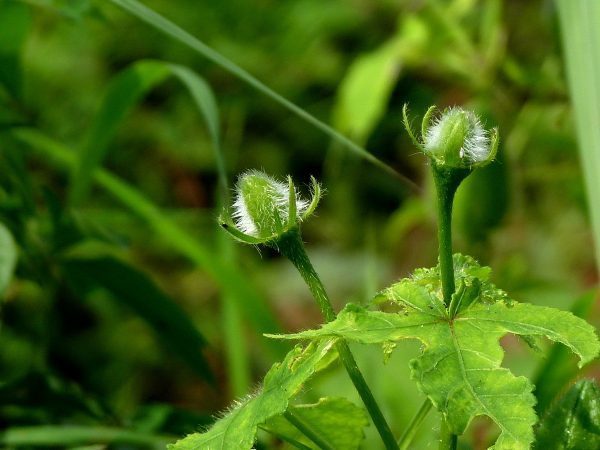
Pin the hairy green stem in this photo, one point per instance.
(414, 424)
(446, 181)
(307, 430)
(290, 245)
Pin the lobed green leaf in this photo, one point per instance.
(558, 368)
(460, 367)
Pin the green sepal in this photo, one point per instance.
(229, 227)
(316, 195)
(426, 122)
(409, 130)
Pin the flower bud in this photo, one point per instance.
(457, 139)
(264, 208)
(261, 207)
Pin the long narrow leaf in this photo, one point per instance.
(124, 92)
(581, 47)
(8, 257)
(159, 22)
(170, 323)
(66, 436)
(14, 25)
(230, 279)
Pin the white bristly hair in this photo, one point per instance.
(279, 192)
(476, 147)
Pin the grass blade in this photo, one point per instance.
(14, 27)
(159, 22)
(129, 286)
(231, 281)
(8, 257)
(66, 436)
(581, 47)
(126, 89)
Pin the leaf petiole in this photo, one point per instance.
(414, 424)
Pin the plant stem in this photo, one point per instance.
(290, 245)
(414, 424)
(307, 430)
(448, 440)
(446, 181)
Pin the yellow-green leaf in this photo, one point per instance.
(237, 429)
(460, 367)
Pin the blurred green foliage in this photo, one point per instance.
(90, 355)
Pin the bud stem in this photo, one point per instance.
(291, 246)
(448, 440)
(446, 182)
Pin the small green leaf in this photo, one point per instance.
(338, 422)
(459, 368)
(574, 422)
(237, 429)
(8, 257)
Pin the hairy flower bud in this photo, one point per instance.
(262, 205)
(264, 208)
(455, 139)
